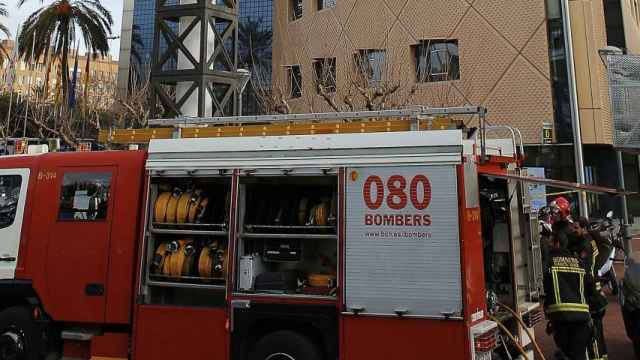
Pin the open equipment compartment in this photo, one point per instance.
(187, 240)
(287, 234)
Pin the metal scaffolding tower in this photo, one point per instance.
(194, 68)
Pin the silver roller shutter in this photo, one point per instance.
(395, 260)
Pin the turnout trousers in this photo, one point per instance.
(598, 348)
(573, 338)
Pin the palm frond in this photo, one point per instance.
(3, 13)
(22, 2)
(5, 30)
(58, 28)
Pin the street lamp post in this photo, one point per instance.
(575, 112)
(245, 76)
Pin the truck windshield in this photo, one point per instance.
(9, 194)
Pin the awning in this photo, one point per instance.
(557, 183)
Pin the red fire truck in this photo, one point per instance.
(374, 235)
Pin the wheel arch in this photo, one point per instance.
(18, 293)
(21, 293)
(304, 327)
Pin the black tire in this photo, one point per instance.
(285, 345)
(19, 337)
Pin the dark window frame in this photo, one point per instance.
(326, 4)
(97, 185)
(437, 60)
(6, 202)
(367, 67)
(325, 71)
(294, 81)
(296, 9)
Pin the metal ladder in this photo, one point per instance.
(535, 248)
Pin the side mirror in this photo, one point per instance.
(610, 215)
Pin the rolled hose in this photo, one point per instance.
(524, 326)
(510, 335)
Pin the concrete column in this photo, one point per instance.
(193, 43)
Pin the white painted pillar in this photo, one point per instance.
(192, 43)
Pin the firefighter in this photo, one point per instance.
(563, 230)
(567, 284)
(588, 251)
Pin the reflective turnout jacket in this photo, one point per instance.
(597, 301)
(568, 286)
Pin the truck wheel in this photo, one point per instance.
(18, 335)
(285, 345)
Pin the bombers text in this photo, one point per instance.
(397, 220)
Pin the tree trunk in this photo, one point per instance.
(65, 67)
(48, 62)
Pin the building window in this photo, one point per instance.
(325, 73)
(85, 196)
(437, 60)
(294, 76)
(325, 4)
(9, 196)
(295, 8)
(370, 64)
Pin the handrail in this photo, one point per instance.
(421, 111)
(516, 135)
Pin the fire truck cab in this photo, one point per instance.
(375, 245)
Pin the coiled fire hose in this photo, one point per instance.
(526, 329)
(510, 335)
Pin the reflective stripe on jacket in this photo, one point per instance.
(567, 286)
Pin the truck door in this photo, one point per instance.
(13, 193)
(78, 248)
(402, 276)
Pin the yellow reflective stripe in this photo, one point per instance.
(582, 289)
(556, 288)
(567, 307)
(568, 269)
(596, 350)
(594, 256)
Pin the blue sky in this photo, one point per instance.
(18, 15)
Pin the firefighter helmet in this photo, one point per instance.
(561, 207)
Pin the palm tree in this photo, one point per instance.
(137, 44)
(138, 64)
(4, 29)
(254, 52)
(254, 44)
(60, 25)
